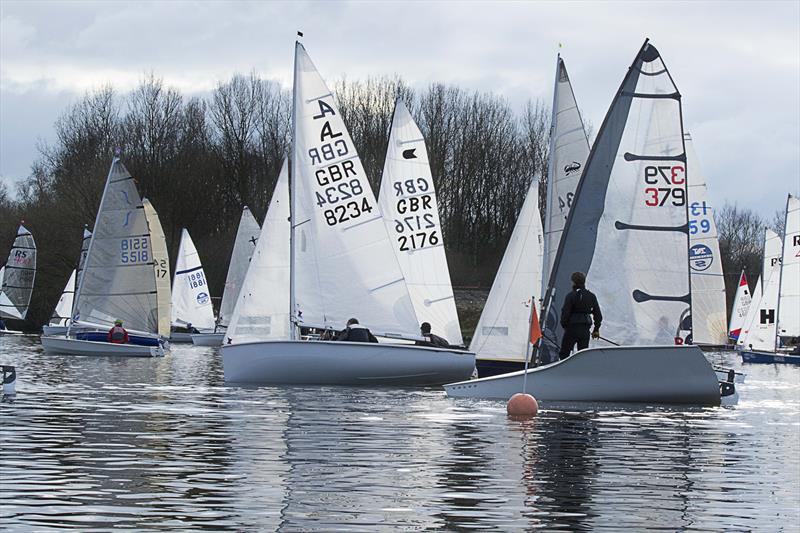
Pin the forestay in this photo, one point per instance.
(741, 307)
(343, 261)
(191, 302)
(161, 267)
(628, 226)
(407, 199)
(262, 309)
(118, 280)
(569, 148)
(503, 329)
(789, 303)
(243, 247)
(18, 276)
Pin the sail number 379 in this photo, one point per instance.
(671, 181)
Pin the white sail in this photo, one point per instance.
(343, 263)
(63, 311)
(191, 300)
(741, 307)
(243, 247)
(262, 310)
(407, 199)
(161, 267)
(709, 313)
(503, 329)
(761, 333)
(773, 245)
(569, 148)
(789, 299)
(19, 274)
(628, 227)
(118, 281)
(752, 312)
(87, 239)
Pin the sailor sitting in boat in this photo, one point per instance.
(580, 307)
(117, 334)
(355, 332)
(430, 338)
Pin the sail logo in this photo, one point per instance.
(571, 168)
(700, 257)
(767, 316)
(202, 298)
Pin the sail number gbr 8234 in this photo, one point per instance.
(667, 184)
(339, 191)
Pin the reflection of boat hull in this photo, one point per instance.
(641, 374)
(69, 346)
(751, 356)
(10, 332)
(343, 363)
(208, 339)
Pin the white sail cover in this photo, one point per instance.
(18, 276)
(63, 311)
(407, 199)
(503, 329)
(741, 307)
(161, 265)
(709, 313)
(118, 281)
(789, 302)
(262, 310)
(344, 265)
(243, 247)
(191, 300)
(628, 227)
(752, 312)
(569, 148)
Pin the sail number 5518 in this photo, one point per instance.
(672, 180)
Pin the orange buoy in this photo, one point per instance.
(522, 405)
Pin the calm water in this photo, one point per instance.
(161, 444)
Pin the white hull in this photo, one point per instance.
(640, 374)
(178, 337)
(343, 363)
(208, 339)
(54, 330)
(64, 345)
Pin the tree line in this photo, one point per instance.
(201, 160)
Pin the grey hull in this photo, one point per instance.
(638, 374)
(343, 363)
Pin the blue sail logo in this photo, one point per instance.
(700, 257)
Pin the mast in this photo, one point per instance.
(293, 198)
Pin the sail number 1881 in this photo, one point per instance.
(671, 181)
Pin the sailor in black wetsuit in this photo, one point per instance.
(580, 307)
(355, 332)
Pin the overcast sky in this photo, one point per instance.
(737, 64)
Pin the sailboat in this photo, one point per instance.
(243, 247)
(628, 231)
(62, 315)
(191, 301)
(407, 200)
(779, 311)
(341, 265)
(770, 266)
(118, 281)
(16, 279)
(705, 261)
(741, 307)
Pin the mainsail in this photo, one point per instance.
(503, 329)
(191, 301)
(118, 280)
(789, 298)
(708, 282)
(752, 311)
(569, 148)
(773, 247)
(628, 226)
(761, 334)
(262, 310)
(63, 312)
(18, 276)
(161, 266)
(243, 247)
(407, 199)
(342, 260)
(741, 307)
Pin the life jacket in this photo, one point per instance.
(118, 335)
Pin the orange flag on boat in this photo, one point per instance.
(536, 330)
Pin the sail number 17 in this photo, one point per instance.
(671, 181)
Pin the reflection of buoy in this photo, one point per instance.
(9, 380)
(522, 405)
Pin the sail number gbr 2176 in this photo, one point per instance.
(339, 190)
(667, 184)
